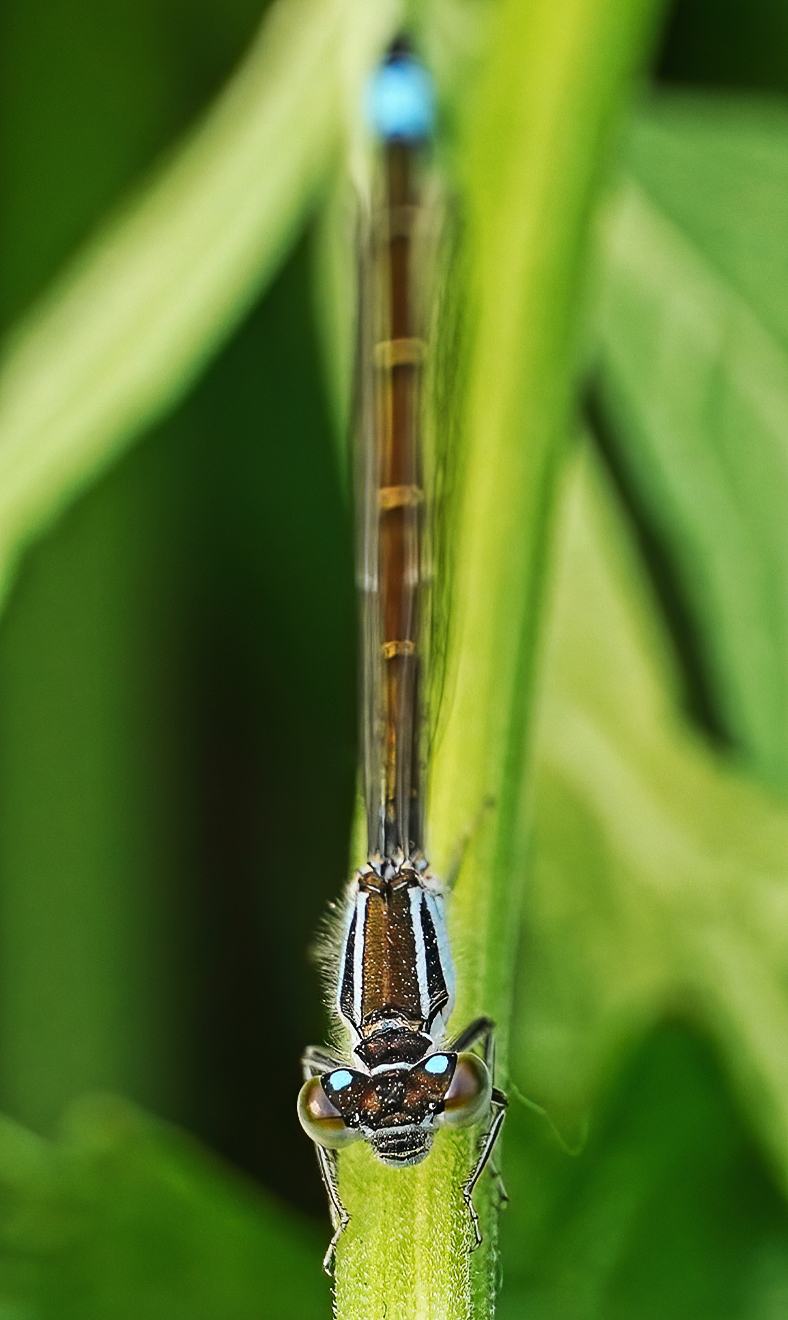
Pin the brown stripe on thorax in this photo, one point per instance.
(389, 966)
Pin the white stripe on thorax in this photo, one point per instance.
(348, 921)
(436, 908)
(358, 954)
(416, 895)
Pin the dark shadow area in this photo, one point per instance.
(660, 570)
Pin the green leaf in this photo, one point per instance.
(131, 323)
(537, 135)
(126, 1218)
(669, 1210)
(660, 875)
(694, 389)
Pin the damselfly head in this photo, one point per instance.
(396, 1109)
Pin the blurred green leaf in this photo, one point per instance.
(694, 390)
(661, 877)
(159, 739)
(125, 1218)
(88, 811)
(129, 326)
(668, 1211)
(88, 101)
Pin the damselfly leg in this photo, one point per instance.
(315, 1062)
(482, 1031)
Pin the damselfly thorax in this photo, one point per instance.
(403, 1076)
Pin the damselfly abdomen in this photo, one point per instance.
(404, 1076)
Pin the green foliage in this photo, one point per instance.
(123, 1218)
(175, 695)
(694, 351)
(126, 329)
(626, 1229)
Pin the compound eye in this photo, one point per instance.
(318, 1116)
(468, 1097)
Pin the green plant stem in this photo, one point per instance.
(538, 134)
(129, 326)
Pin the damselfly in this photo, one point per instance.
(404, 1076)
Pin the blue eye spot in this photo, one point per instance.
(339, 1079)
(437, 1064)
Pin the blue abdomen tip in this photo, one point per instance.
(400, 100)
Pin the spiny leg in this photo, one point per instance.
(315, 1061)
(482, 1031)
(327, 1163)
(498, 1104)
(485, 1032)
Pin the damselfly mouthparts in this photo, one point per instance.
(404, 1077)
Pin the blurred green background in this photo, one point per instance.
(177, 738)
